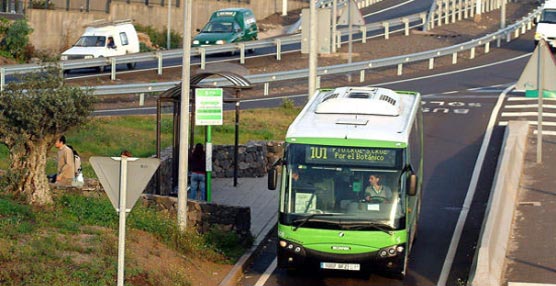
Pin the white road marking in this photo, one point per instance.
(528, 284)
(530, 106)
(389, 8)
(519, 114)
(456, 71)
(267, 273)
(529, 99)
(470, 191)
(544, 132)
(505, 123)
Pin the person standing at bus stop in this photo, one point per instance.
(197, 164)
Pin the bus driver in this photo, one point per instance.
(377, 191)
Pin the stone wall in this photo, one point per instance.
(65, 27)
(204, 216)
(254, 160)
(201, 216)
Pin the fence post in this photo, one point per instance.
(386, 29)
(447, 10)
(406, 26)
(400, 68)
(487, 47)
(203, 56)
(241, 53)
(159, 58)
(113, 69)
(265, 92)
(2, 78)
(362, 76)
(67, 5)
(472, 54)
(455, 58)
(278, 49)
(88, 3)
(431, 63)
(363, 34)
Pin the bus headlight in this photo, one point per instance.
(195, 42)
(220, 42)
(538, 36)
(390, 251)
(64, 58)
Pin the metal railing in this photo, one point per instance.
(506, 34)
(387, 28)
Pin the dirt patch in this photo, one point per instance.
(167, 266)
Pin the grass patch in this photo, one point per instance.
(108, 136)
(74, 242)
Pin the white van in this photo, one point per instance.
(105, 39)
(546, 27)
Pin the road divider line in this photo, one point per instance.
(267, 273)
(447, 266)
(389, 8)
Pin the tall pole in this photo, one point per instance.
(312, 48)
(540, 74)
(184, 118)
(334, 22)
(122, 213)
(169, 25)
(503, 14)
(350, 36)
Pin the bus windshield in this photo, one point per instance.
(343, 188)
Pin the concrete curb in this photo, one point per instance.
(497, 225)
(237, 271)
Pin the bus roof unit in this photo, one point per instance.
(343, 112)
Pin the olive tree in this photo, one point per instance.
(34, 111)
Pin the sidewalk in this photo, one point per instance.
(253, 193)
(530, 257)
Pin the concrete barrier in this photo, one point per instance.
(487, 271)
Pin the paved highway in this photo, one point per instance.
(458, 105)
(381, 11)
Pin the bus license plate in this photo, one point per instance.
(340, 266)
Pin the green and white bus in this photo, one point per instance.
(332, 215)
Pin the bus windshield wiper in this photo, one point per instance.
(362, 225)
(302, 221)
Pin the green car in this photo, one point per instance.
(228, 26)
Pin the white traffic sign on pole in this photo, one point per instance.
(108, 172)
(113, 175)
(209, 106)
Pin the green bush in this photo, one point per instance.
(159, 39)
(42, 4)
(17, 38)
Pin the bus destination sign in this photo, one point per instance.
(331, 155)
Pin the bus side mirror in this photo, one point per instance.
(272, 178)
(535, 22)
(412, 185)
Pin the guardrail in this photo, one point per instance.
(506, 34)
(388, 27)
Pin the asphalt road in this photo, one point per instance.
(458, 102)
